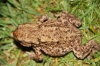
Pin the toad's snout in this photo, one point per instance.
(15, 34)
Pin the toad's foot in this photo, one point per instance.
(37, 55)
(91, 47)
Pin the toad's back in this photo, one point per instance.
(55, 33)
(47, 32)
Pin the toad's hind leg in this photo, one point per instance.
(91, 47)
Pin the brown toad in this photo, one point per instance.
(55, 37)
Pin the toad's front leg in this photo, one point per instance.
(91, 47)
(36, 55)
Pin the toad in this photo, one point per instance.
(55, 37)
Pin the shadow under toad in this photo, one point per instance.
(17, 43)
